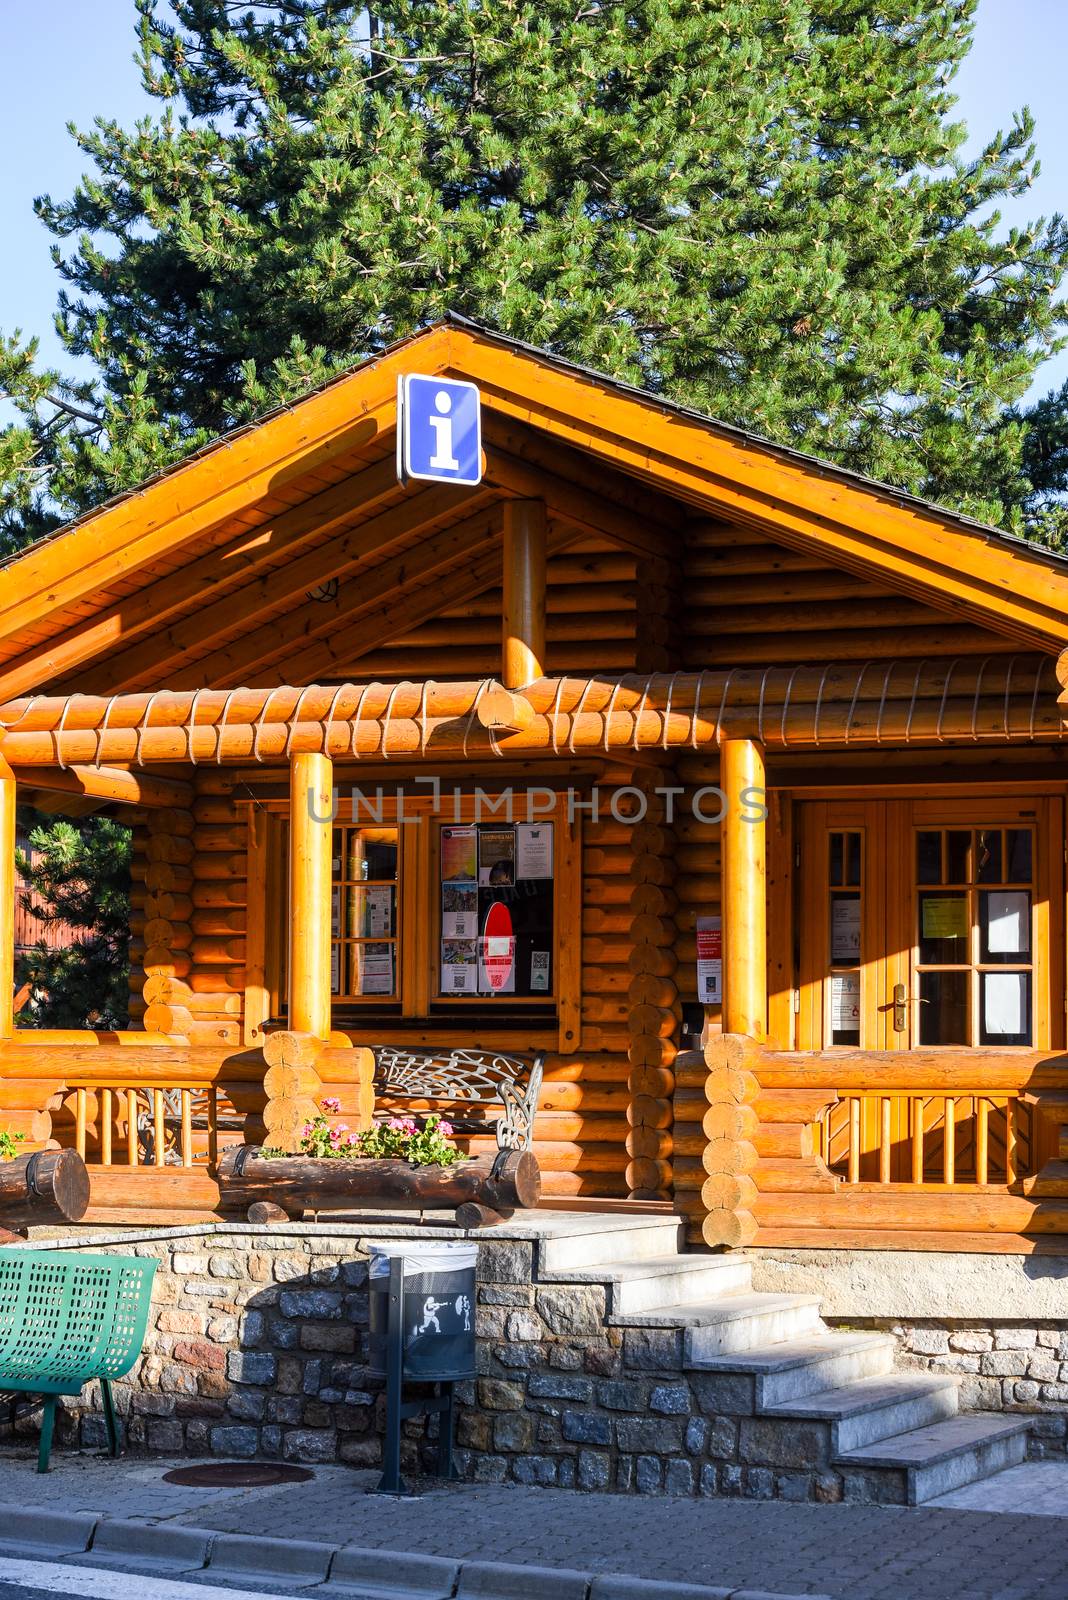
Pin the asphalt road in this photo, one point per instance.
(45, 1580)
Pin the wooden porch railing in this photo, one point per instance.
(927, 1149)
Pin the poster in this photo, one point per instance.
(845, 928)
(539, 971)
(496, 964)
(335, 969)
(458, 858)
(459, 966)
(945, 917)
(1003, 1002)
(534, 850)
(845, 1002)
(373, 965)
(1008, 914)
(496, 857)
(335, 913)
(377, 913)
(459, 911)
(709, 961)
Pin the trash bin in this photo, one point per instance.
(439, 1309)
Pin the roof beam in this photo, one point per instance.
(164, 652)
(244, 467)
(801, 504)
(313, 626)
(584, 508)
(110, 783)
(117, 625)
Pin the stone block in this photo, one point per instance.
(927, 1341)
(285, 1408)
(506, 1294)
(339, 1337)
(489, 1469)
(234, 1441)
(251, 1366)
(310, 1444)
(166, 1437)
(220, 1266)
(649, 1435)
(797, 1443)
(971, 1339)
(317, 1304)
(679, 1477)
(247, 1405)
(594, 1469)
(572, 1310)
(586, 1427)
(696, 1436)
(1004, 1363)
(534, 1469)
(724, 1392)
(172, 1319)
(567, 1357)
(523, 1326)
(649, 1475)
(559, 1386)
(671, 1400)
(653, 1349)
(1015, 1338)
(505, 1261)
(253, 1327)
(186, 1264)
(496, 1395)
(199, 1353)
(723, 1438)
(622, 1394)
(759, 1483)
(513, 1431)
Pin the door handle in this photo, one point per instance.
(901, 1008)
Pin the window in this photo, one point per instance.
(365, 932)
(974, 962)
(845, 878)
(495, 925)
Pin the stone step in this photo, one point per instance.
(610, 1240)
(662, 1283)
(735, 1322)
(869, 1409)
(797, 1367)
(943, 1456)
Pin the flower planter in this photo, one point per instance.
(482, 1191)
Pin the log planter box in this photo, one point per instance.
(46, 1186)
(482, 1191)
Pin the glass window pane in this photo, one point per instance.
(944, 928)
(372, 912)
(944, 1007)
(845, 1008)
(929, 857)
(845, 929)
(372, 969)
(836, 865)
(957, 846)
(853, 859)
(1006, 1008)
(988, 856)
(1019, 851)
(1005, 925)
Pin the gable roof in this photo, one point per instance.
(212, 543)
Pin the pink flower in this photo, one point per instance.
(445, 1129)
(401, 1125)
(330, 1104)
(307, 1129)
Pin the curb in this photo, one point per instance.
(334, 1570)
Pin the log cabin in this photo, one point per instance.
(764, 760)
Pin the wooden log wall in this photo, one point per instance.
(591, 605)
(750, 602)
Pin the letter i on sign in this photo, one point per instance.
(439, 430)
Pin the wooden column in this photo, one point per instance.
(310, 838)
(745, 938)
(523, 642)
(7, 900)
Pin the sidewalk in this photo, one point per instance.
(846, 1552)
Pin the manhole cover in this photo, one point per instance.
(237, 1475)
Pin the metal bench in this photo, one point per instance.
(66, 1318)
(466, 1077)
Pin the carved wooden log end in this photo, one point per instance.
(262, 1211)
(472, 1215)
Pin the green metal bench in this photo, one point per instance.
(66, 1318)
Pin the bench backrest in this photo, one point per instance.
(67, 1317)
(463, 1077)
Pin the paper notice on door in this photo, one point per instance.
(335, 969)
(945, 916)
(709, 961)
(1003, 1002)
(534, 850)
(458, 854)
(539, 971)
(845, 1002)
(374, 965)
(459, 911)
(378, 912)
(1008, 916)
(845, 928)
(459, 966)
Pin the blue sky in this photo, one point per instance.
(71, 59)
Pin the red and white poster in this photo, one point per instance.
(710, 961)
(496, 951)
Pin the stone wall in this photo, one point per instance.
(257, 1346)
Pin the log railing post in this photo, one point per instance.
(310, 840)
(523, 640)
(7, 900)
(745, 940)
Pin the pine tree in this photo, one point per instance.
(79, 874)
(758, 207)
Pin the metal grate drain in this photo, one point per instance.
(237, 1475)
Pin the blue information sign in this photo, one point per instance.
(439, 430)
